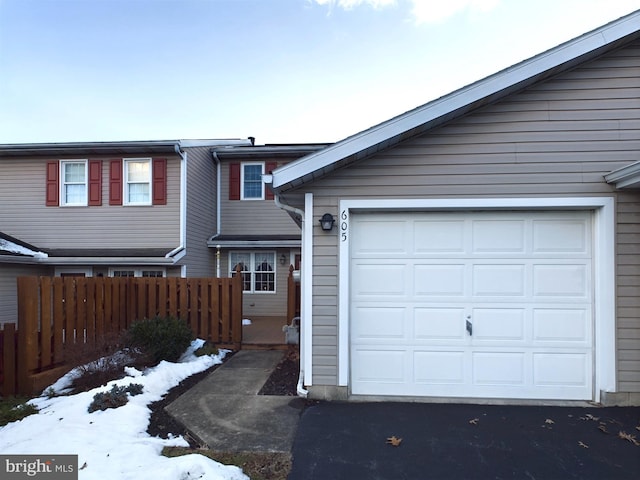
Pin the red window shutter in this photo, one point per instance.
(234, 181)
(95, 182)
(115, 182)
(269, 167)
(53, 185)
(159, 185)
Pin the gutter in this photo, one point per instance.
(183, 206)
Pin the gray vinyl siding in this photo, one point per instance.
(558, 138)
(201, 212)
(23, 213)
(628, 291)
(9, 290)
(252, 217)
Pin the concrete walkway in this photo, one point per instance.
(225, 412)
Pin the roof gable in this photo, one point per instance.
(460, 102)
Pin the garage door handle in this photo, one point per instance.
(469, 326)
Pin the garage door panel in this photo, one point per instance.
(499, 324)
(439, 367)
(439, 280)
(561, 280)
(379, 366)
(511, 239)
(439, 236)
(566, 325)
(560, 236)
(379, 280)
(499, 368)
(522, 279)
(562, 369)
(381, 239)
(381, 323)
(433, 323)
(499, 280)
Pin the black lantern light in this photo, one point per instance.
(327, 221)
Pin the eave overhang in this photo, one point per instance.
(267, 151)
(124, 148)
(245, 241)
(625, 177)
(165, 147)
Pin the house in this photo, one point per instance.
(251, 231)
(485, 244)
(138, 208)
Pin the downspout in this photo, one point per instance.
(218, 173)
(300, 390)
(183, 208)
(216, 159)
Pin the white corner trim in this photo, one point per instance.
(306, 301)
(604, 266)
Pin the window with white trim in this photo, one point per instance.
(137, 272)
(73, 184)
(137, 181)
(251, 185)
(258, 270)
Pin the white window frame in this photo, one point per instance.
(255, 255)
(63, 183)
(137, 271)
(126, 183)
(247, 164)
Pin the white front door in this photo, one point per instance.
(472, 304)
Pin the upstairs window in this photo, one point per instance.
(73, 185)
(252, 187)
(245, 180)
(137, 181)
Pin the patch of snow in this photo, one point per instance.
(15, 248)
(114, 443)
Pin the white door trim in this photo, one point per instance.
(604, 266)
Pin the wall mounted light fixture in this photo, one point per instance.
(283, 259)
(327, 221)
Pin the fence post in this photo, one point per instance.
(9, 361)
(28, 300)
(291, 296)
(236, 307)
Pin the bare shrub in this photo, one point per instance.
(99, 363)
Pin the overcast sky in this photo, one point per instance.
(283, 71)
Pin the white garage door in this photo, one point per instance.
(473, 304)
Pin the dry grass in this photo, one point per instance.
(256, 465)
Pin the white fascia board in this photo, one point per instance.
(255, 243)
(215, 143)
(108, 261)
(502, 81)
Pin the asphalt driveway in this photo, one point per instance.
(439, 441)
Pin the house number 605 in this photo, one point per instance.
(343, 225)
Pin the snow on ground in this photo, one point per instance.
(114, 443)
